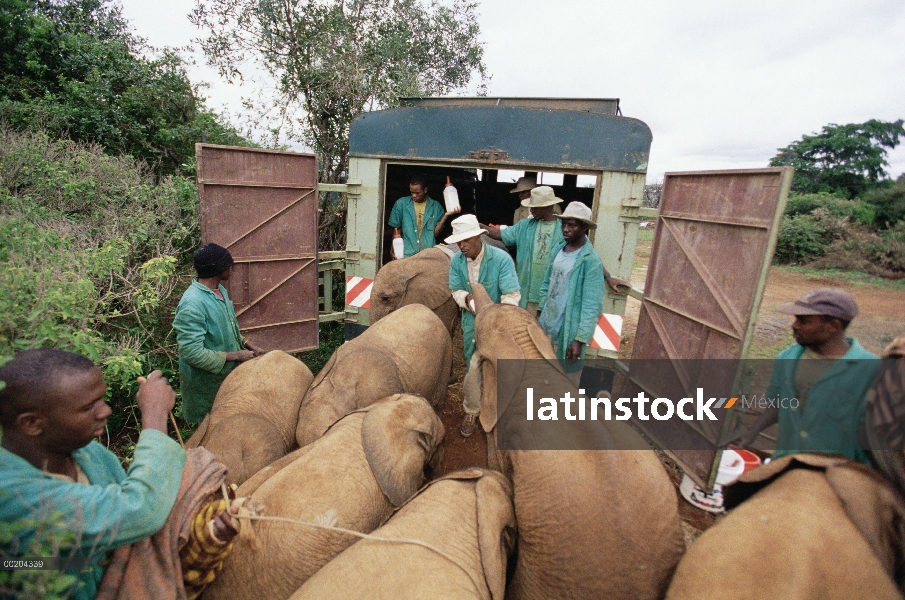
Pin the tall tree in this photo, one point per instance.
(76, 69)
(847, 159)
(334, 59)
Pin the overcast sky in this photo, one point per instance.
(721, 83)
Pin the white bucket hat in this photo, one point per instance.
(541, 196)
(464, 227)
(524, 184)
(580, 212)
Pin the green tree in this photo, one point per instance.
(74, 68)
(845, 160)
(888, 203)
(334, 59)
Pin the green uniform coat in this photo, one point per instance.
(498, 277)
(834, 408)
(521, 235)
(118, 508)
(585, 301)
(403, 217)
(206, 329)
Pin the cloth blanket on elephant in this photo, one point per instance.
(152, 568)
(869, 501)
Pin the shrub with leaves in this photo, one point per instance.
(856, 210)
(93, 258)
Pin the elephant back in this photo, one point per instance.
(798, 540)
(625, 543)
(408, 352)
(347, 478)
(254, 417)
(467, 520)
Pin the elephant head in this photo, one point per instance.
(253, 420)
(419, 279)
(409, 351)
(567, 542)
(467, 515)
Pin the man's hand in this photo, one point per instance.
(155, 399)
(241, 356)
(257, 350)
(493, 231)
(469, 302)
(573, 352)
(452, 212)
(224, 528)
(616, 283)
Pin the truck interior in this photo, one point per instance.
(482, 192)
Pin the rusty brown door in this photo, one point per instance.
(262, 206)
(714, 242)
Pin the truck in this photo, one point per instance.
(715, 236)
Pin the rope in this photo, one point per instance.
(176, 427)
(247, 513)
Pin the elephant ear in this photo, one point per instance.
(427, 280)
(399, 435)
(496, 529)
(324, 371)
(197, 438)
(541, 341)
(492, 403)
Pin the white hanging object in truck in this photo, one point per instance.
(451, 196)
(399, 247)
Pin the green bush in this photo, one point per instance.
(76, 69)
(888, 203)
(800, 237)
(805, 204)
(93, 259)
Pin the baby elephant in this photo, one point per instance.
(805, 526)
(451, 541)
(419, 279)
(408, 352)
(369, 462)
(255, 413)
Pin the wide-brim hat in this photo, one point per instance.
(580, 212)
(464, 227)
(524, 184)
(542, 195)
(829, 302)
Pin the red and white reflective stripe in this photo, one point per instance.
(358, 291)
(607, 332)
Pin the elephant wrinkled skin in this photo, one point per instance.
(407, 352)
(466, 518)
(419, 279)
(253, 420)
(592, 523)
(367, 463)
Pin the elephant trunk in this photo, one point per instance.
(481, 298)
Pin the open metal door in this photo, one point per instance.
(262, 206)
(712, 250)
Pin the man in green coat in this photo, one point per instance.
(207, 332)
(571, 297)
(818, 385)
(534, 240)
(417, 218)
(61, 486)
(476, 262)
